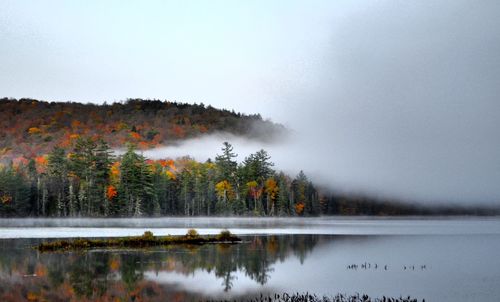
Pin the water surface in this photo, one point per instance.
(439, 260)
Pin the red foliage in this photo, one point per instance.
(179, 132)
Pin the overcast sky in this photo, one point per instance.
(396, 98)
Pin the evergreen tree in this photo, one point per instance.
(57, 170)
(226, 163)
(136, 185)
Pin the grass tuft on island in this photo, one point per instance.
(144, 241)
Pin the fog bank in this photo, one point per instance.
(385, 98)
(400, 100)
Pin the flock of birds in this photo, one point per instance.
(385, 267)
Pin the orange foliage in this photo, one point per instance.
(299, 208)
(272, 245)
(156, 139)
(135, 135)
(114, 264)
(271, 188)
(143, 145)
(41, 160)
(41, 270)
(75, 124)
(68, 289)
(203, 129)
(31, 296)
(41, 163)
(74, 136)
(111, 192)
(167, 163)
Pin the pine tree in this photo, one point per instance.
(57, 168)
(136, 184)
(226, 164)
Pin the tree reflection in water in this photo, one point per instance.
(107, 275)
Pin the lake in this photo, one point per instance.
(435, 259)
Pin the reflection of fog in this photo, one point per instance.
(208, 269)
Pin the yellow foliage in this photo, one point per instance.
(170, 175)
(4, 151)
(271, 188)
(5, 198)
(121, 126)
(115, 171)
(252, 184)
(114, 264)
(34, 130)
(31, 296)
(224, 189)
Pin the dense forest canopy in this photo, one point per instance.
(31, 128)
(57, 160)
(89, 180)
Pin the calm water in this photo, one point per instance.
(439, 260)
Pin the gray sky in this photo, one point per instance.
(396, 98)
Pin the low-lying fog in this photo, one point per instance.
(118, 227)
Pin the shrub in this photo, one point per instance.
(225, 235)
(148, 235)
(192, 233)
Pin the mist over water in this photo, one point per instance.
(119, 227)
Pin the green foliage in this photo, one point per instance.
(226, 163)
(88, 180)
(136, 185)
(148, 235)
(192, 233)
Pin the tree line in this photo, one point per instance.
(89, 180)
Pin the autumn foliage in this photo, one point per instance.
(111, 192)
(299, 208)
(30, 127)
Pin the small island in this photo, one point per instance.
(144, 241)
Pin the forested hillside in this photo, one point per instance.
(30, 128)
(57, 159)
